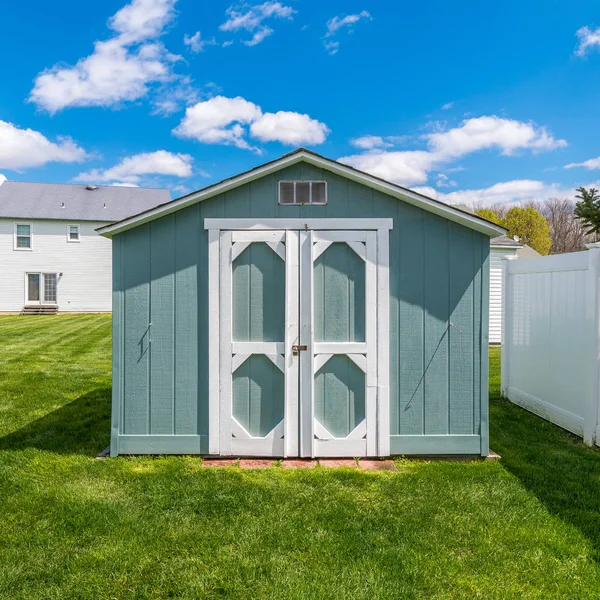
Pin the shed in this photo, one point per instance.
(302, 308)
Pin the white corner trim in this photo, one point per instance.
(434, 206)
(214, 259)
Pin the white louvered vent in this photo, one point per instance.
(302, 192)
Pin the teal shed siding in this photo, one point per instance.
(439, 274)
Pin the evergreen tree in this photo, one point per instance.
(587, 210)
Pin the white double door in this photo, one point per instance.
(299, 314)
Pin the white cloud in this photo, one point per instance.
(131, 169)
(443, 147)
(590, 165)
(258, 36)
(120, 69)
(289, 128)
(588, 39)
(442, 180)
(336, 23)
(332, 47)
(182, 190)
(170, 98)
(222, 120)
(507, 192)
(447, 106)
(142, 19)
(227, 43)
(219, 121)
(2, 179)
(22, 148)
(123, 184)
(196, 43)
(480, 133)
(369, 142)
(403, 167)
(251, 19)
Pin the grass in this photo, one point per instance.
(163, 527)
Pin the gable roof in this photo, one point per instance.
(24, 200)
(303, 155)
(503, 241)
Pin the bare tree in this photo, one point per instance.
(567, 232)
(498, 208)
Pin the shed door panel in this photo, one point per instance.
(256, 371)
(339, 384)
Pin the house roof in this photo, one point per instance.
(527, 252)
(303, 155)
(503, 241)
(24, 200)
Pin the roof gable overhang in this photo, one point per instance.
(302, 155)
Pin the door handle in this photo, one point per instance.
(296, 349)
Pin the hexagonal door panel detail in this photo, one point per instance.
(339, 396)
(258, 395)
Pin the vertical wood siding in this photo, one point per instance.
(258, 295)
(339, 295)
(438, 302)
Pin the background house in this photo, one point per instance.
(303, 308)
(51, 257)
(500, 248)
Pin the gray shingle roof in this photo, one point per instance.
(503, 240)
(23, 200)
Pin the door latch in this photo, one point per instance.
(296, 348)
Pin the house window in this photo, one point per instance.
(294, 193)
(72, 233)
(23, 236)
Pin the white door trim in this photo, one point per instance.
(298, 231)
(298, 224)
(42, 289)
(307, 379)
(383, 342)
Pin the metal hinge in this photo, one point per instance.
(296, 348)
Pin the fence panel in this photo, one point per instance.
(550, 352)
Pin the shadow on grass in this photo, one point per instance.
(80, 427)
(556, 466)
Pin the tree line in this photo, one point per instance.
(555, 226)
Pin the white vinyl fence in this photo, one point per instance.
(551, 339)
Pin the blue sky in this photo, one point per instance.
(491, 102)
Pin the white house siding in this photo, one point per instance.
(496, 256)
(86, 281)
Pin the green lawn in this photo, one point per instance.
(75, 527)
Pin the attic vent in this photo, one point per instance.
(91, 187)
(302, 192)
